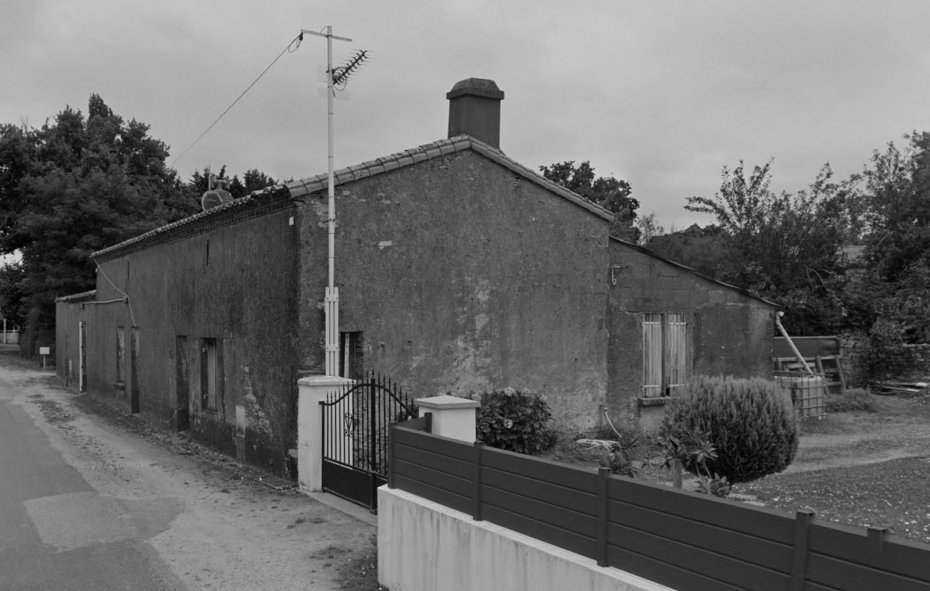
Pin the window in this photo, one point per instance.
(350, 355)
(120, 354)
(211, 374)
(665, 354)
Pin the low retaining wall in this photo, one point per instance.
(914, 363)
(425, 546)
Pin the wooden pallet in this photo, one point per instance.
(829, 366)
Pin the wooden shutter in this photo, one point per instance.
(676, 353)
(652, 355)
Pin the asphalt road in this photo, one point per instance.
(92, 500)
(56, 531)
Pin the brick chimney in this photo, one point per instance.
(475, 110)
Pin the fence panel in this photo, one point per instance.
(745, 547)
(695, 559)
(572, 499)
(675, 538)
(899, 556)
(544, 471)
(767, 524)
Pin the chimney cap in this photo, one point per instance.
(476, 87)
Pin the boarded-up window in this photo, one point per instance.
(120, 354)
(350, 355)
(665, 354)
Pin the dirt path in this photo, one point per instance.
(217, 524)
(900, 428)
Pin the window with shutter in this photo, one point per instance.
(652, 355)
(665, 354)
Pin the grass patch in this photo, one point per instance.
(854, 399)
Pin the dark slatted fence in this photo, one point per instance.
(677, 538)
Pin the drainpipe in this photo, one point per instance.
(788, 340)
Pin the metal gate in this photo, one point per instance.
(355, 428)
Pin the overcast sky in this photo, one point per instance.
(660, 93)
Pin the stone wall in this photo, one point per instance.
(913, 364)
(463, 277)
(729, 332)
(229, 282)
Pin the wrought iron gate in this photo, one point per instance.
(355, 430)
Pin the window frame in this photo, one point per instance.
(667, 362)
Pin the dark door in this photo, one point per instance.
(183, 384)
(134, 393)
(82, 361)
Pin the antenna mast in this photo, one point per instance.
(332, 293)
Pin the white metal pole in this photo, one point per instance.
(332, 296)
(331, 192)
(331, 299)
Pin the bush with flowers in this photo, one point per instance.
(515, 421)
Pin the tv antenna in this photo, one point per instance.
(334, 77)
(215, 197)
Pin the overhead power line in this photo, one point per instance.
(290, 48)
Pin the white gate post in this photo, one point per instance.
(311, 391)
(453, 417)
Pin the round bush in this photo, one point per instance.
(749, 422)
(514, 421)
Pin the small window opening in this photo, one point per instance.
(350, 355)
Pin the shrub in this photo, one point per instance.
(748, 423)
(515, 421)
(693, 450)
(886, 343)
(851, 400)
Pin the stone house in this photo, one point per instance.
(459, 270)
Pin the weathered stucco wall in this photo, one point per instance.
(464, 277)
(729, 333)
(234, 281)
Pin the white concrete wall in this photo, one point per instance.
(424, 546)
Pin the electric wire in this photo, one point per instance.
(291, 48)
(121, 292)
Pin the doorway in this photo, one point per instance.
(134, 394)
(183, 401)
(82, 356)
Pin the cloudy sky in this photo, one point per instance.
(661, 93)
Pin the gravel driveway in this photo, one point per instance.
(861, 469)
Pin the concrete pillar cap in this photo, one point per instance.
(446, 402)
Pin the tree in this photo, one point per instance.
(704, 249)
(893, 197)
(784, 247)
(72, 187)
(608, 192)
(648, 228)
(11, 295)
